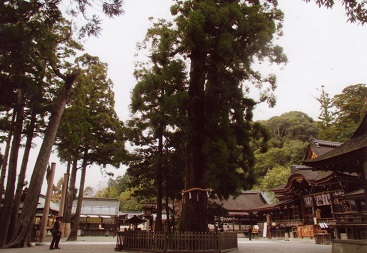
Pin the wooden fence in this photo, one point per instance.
(175, 242)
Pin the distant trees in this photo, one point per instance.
(276, 176)
(341, 114)
(289, 136)
(121, 188)
(290, 133)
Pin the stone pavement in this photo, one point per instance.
(107, 245)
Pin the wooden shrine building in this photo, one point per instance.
(239, 215)
(317, 201)
(99, 216)
(350, 158)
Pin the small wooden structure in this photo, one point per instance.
(135, 221)
(176, 242)
(98, 216)
(239, 209)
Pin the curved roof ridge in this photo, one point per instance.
(326, 143)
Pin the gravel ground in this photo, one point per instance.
(281, 246)
(107, 245)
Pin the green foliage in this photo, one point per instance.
(274, 177)
(128, 202)
(350, 107)
(157, 104)
(326, 117)
(292, 152)
(341, 115)
(89, 192)
(222, 40)
(290, 134)
(90, 126)
(292, 125)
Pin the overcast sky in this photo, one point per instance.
(322, 49)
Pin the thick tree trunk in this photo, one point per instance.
(31, 200)
(12, 172)
(75, 225)
(4, 163)
(22, 174)
(194, 202)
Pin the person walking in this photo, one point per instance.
(249, 232)
(56, 234)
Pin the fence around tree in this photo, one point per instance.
(179, 241)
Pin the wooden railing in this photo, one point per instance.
(351, 217)
(180, 241)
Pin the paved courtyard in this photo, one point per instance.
(107, 245)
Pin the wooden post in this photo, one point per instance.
(62, 201)
(46, 208)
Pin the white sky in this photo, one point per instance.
(322, 49)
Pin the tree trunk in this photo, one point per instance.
(75, 225)
(12, 172)
(22, 174)
(168, 220)
(194, 202)
(31, 200)
(159, 176)
(4, 163)
(71, 192)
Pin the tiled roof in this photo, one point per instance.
(245, 201)
(274, 205)
(320, 147)
(356, 143)
(98, 206)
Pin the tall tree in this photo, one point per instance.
(90, 127)
(157, 105)
(23, 227)
(12, 171)
(348, 108)
(41, 32)
(222, 39)
(326, 117)
(351, 106)
(27, 28)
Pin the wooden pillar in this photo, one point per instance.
(46, 208)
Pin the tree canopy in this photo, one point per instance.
(341, 114)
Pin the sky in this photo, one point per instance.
(321, 46)
(323, 49)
